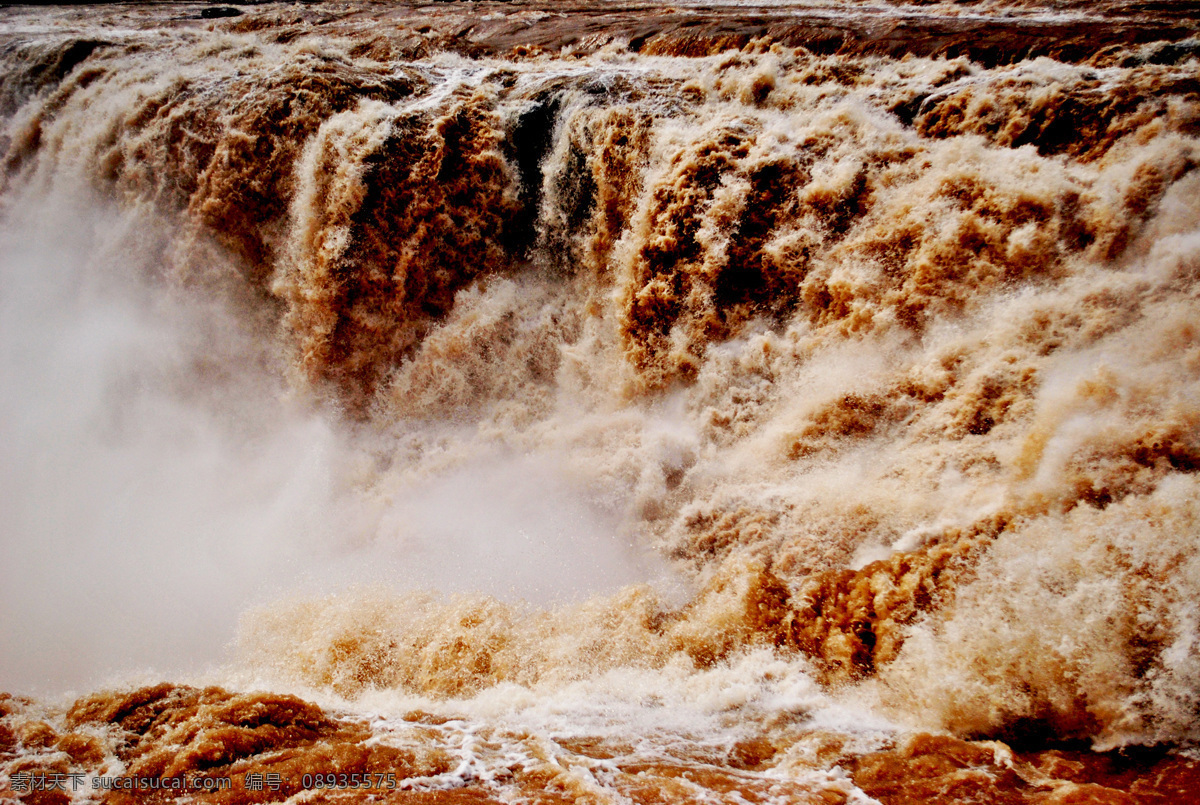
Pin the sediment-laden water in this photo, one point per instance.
(537, 402)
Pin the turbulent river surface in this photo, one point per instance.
(600, 402)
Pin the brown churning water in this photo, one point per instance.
(552, 412)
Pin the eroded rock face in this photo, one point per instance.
(930, 768)
(165, 742)
(266, 746)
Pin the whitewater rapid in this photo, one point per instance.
(707, 401)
